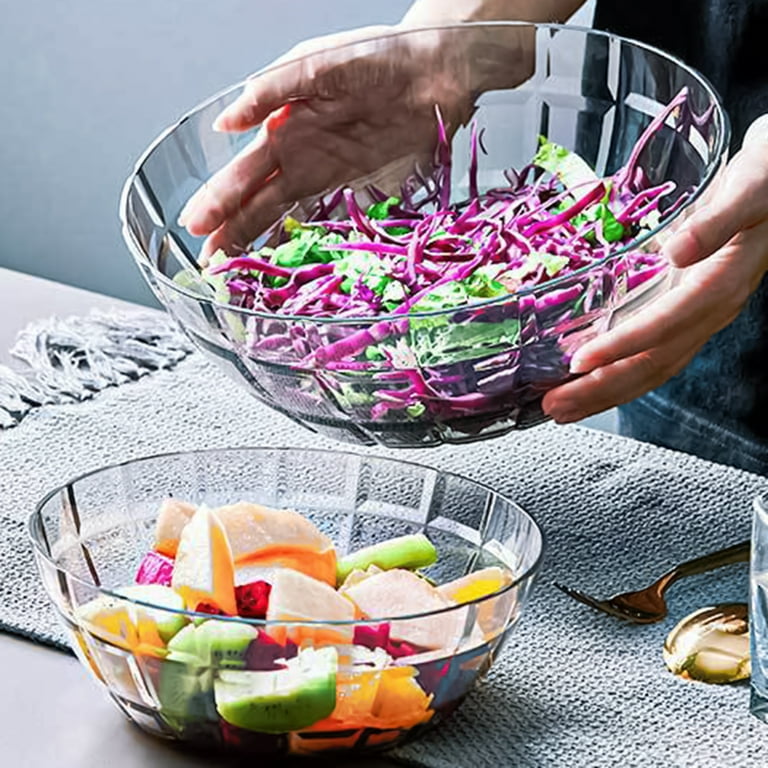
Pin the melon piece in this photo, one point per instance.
(260, 536)
(297, 597)
(204, 571)
(155, 569)
(411, 552)
(282, 700)
(253, 527)
(171, 521)
(399, 592)
(139, 628)
(357, 575)
(249, 574)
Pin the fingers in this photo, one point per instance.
(235, 234)
(740, 202)
(233, 186)
(260, 97)
(298, 74)
(656, 344)
(614, 384)
(674, 315)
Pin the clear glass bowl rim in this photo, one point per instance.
(711, 171)
(529, 573)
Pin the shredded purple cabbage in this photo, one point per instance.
(451, 280)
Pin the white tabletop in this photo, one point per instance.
(52, 715)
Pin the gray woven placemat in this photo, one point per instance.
(572, 688)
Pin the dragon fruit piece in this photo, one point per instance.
(155, 569)
(265, 653)
(375, 636)
(371, 636)
(397, 649)
(252, 742)
(253, 599)
(210, 609)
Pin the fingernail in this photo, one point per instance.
(681, 248)
(186, 213)
(565, 417)
(221, 118)
(579, 364)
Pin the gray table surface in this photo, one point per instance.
(51, 714)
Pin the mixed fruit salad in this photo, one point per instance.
(259, 635)
(510, 274)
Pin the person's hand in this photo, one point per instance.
(340, 114)
(353, 107)
(723, 250)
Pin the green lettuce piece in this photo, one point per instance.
(352, 398)
(438, 341)
(553, 264)
(365, 266)
(380, 211)
(571, 169)
(613, 230)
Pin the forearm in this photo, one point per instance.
(446, 11)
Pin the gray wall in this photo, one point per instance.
(87, 84)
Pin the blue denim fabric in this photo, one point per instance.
(717, 407)
(654, 419)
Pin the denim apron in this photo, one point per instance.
(717, 407)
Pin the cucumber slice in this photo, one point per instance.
(410, 552)
(283, 700)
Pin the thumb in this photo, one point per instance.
(740, 202)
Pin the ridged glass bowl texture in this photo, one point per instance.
(589, 91)
(90, 535)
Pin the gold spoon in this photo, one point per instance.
(710, 645)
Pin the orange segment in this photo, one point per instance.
(492, 614)
(476, 585)
(385, 699)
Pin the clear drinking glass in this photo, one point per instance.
(758, 585)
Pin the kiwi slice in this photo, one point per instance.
(411, 552)
(283, 700)
(215, 643)
(185, 690)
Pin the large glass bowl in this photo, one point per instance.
(475, 372)
(91, 534)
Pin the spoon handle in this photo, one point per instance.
(738, 553)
